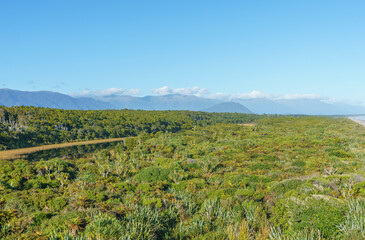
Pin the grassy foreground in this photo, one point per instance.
(283, 178)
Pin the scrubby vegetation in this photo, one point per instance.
(282, 178)
(32, 126)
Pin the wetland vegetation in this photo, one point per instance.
(186, 175)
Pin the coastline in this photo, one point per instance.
(361, 122)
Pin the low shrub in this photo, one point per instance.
(152, 174)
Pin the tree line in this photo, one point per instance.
(31, 126)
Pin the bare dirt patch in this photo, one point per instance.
(20, 152)
(247, 124)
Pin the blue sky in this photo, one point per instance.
(257, 48)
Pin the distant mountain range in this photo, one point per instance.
(300, 106)
(10, 97)
(228, 107)
(165, 102)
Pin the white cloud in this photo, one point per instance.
(220, 96)
(250, 95)
(106, 92)
(253, 94)
(203, 92)
(299, 96)
(200, 92)
(196, 91)
(257, 94)
(345, 101)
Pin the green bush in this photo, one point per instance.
(130, 143)
(40, 217)
(298, 164)
(124, 187)
(191, 185)
(57, 204)
(341, 154)
(246, 192)
(16, 183)
(321, 214)
(223, 193)
(65, 222)
(261, 166)
(104, 227)
(286, 185)
(144, 188)
(152, 174)
(156, 202)
(359, 189)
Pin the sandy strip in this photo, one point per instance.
(361, 122)
(16, 153)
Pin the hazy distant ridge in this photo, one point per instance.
(49, 99)
(228, 107)
(10, 97)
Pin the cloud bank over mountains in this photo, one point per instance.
(106, 92)
(257, 95)
(198, 92)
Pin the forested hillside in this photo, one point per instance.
(31, 126)
(278, 178)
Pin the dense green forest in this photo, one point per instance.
(31, 126)
(191, 176)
